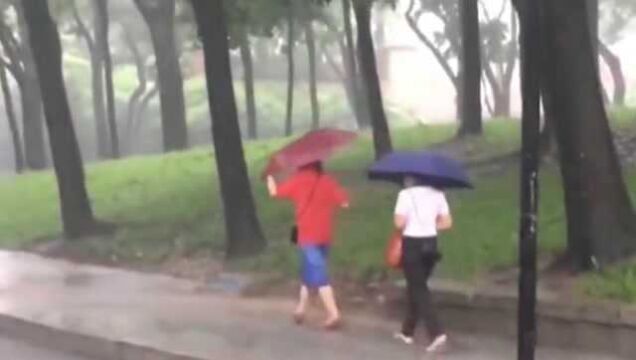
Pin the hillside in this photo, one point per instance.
(168, 206)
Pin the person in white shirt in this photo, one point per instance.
(420, 213)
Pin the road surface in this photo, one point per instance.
(11, 349)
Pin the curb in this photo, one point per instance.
(81, 344)
(602, 328)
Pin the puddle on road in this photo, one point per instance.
(231, 284)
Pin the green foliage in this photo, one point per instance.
(498, 37)
(77, 71)
(447, 39)
(497, 40)
(255, 17)
(270, 102)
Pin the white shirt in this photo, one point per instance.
(421, 207)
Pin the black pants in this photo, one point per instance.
(419, 256)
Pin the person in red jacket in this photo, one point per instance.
(316, 197)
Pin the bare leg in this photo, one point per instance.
(329, 301)
(301, 308)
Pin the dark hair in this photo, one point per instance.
(315, 166)
(418, 181)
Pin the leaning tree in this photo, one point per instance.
(243, 230)
(77, 214)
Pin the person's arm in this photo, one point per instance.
(444, 219)
(272, 187)
(400, 217)
(283, 190)
(399, 221)
(444, 222)
(341, 196)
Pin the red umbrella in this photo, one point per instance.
(317, 145)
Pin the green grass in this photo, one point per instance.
(618, 283)
(623, 119)
(631, 95)
(168, 205)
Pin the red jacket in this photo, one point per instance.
(316, 197)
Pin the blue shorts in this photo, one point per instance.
(314, 263)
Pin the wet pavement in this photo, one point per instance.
(19, 350)
(170, 314)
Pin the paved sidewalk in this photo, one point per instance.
(18, 350)
(166, 314)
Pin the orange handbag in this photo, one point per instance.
(393, 252)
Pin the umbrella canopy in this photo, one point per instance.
(428, 167)
(317, 145)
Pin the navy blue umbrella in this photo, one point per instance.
(429, 168)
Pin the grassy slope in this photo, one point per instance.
(168, 203)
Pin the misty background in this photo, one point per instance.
(416, 86)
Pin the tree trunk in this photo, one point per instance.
(546, 137)
(159, 15)
(490, 80)
(313, 86)
(501, 83)
(248, 79)
(289, 126)
(459, 97)
(18, 153)
(618, 76)
(140, 114)
(175, 133)
(471, 118)
(502, 104)
(601, 221)
(77, 215)
(133, 101)
(102, 41)
(348, 82)
(97, 73)
(99, 108)
(487, 101)
(592, 8)
(33, 125)
(360, 108)
(454, 76)
(379, 38)
(244, 234)
(366, 58)
(31, 102)
(604, 93)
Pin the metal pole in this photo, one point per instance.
(529, 11)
